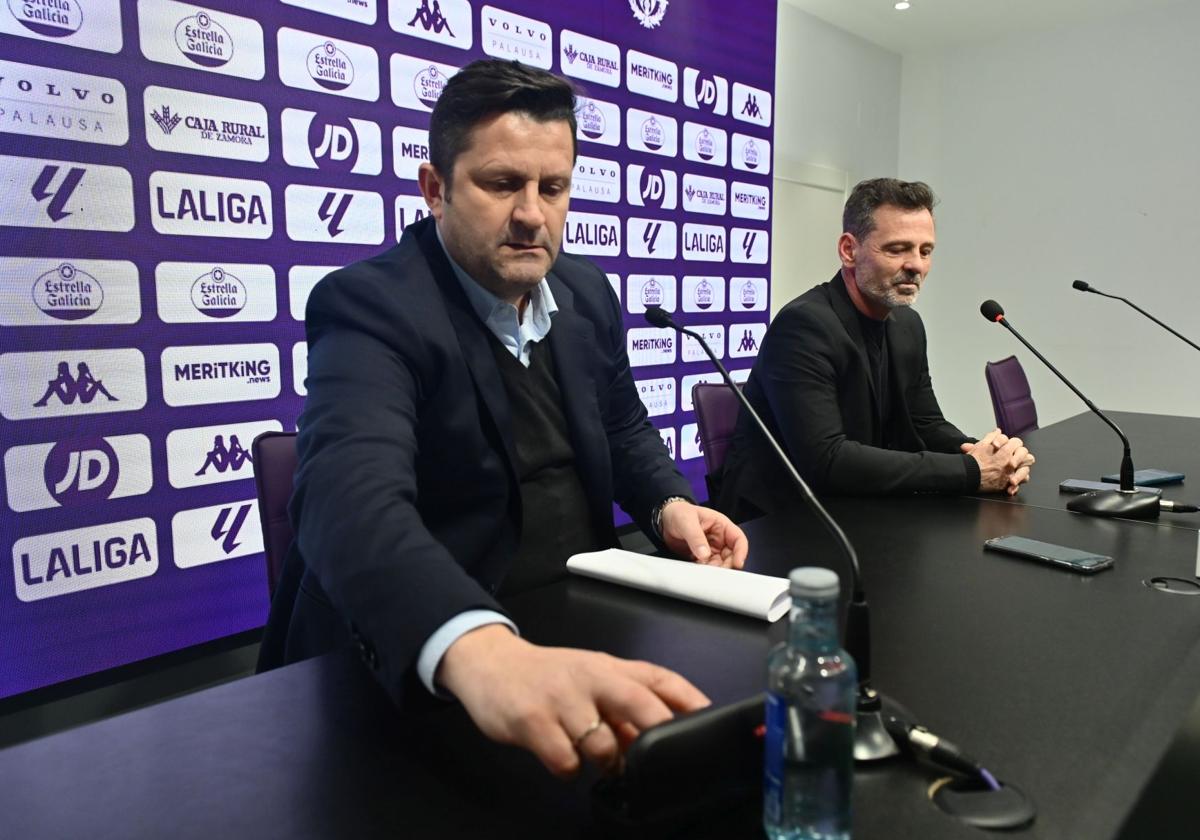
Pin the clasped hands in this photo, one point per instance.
(566, 705)
(1004, 462)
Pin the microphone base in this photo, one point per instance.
(1125, 504)
(872, 742)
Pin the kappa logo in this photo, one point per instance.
(204, 41)
(225, 532)
(83, 386)
(443, 21)
(208, 455)
(751, 109)
(431, 19)
(649, 13)
(51, 18)
(747, 344)
(751, 104)
(59, 196)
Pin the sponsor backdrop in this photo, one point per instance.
(176, 178)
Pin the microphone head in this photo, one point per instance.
(1081, 286)
(992, 310)
(656, 316)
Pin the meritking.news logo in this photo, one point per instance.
(201, 39)
(189, 123)
(62, 105)
(336, 145)
(62, 291)
(219, 373)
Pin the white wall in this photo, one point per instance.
(837, 121)
(1059, 156)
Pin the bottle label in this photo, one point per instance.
(774, 751)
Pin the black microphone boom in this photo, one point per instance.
(871, 739)
(1126, 501)
(1084, 287)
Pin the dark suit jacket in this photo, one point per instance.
(812, 386)
(406, 507)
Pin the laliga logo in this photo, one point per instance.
(80, 470)
(218, 294)
(591, 121)
(330, 67)
(203, 41)
(52, 18)
(649, 13)
(652, 134)
(428, 85)
(68, 293)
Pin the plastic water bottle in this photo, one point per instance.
(811, 687)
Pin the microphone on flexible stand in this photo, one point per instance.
(1126, 501)
(871, 738)
(1084, 287)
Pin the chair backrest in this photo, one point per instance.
(274, 455)
(1012, 400)
(716, 416)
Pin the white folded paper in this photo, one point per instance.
(760, 596)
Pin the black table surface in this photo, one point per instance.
(1070, 687)
(1084, 447)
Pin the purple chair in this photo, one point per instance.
(1012, 400)
(716, 415)
(274, 455)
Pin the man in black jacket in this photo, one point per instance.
(842, 378)
(470, 419)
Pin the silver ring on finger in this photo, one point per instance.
(594, 726)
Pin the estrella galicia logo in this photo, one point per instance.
(649, 13)
(652, 293)
(330, 67)
(750, 155)
(51, 18)
(218, 294)
(706, 146)
(652, 134)
(703, 294)
(78, 471)
(747, 296)
(591, 121)
(68, 293)
(428, 85)
(204, 41)
(60, 195)
(68, 388)
(228, 526)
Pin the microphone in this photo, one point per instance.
(1126, 501)
(938, 750)
(1084, 287)
(871, 738)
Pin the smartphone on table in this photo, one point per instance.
(1065, 557)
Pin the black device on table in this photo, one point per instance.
(1079, 485)
(1148, 478)
(1075, 559)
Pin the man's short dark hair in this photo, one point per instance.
(858, 217)
(492, 86)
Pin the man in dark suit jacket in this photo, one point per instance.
(470, 419)
(842, 378)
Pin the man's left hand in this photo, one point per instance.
(703, 535)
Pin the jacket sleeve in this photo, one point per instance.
(803, 366)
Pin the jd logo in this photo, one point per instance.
(336, 143)
(652, 187)
(230, 532)
(81, 469)
(706, 91)
(41, 190)
(331, 214)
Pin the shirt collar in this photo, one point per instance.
(489, 308)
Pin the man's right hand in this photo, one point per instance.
(548, 700)
(1004, 462)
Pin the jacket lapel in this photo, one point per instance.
(848, 315)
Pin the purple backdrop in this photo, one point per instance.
(177, 176)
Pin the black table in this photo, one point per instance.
(1070, 687)
(1084, 447)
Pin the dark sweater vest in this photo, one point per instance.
(555, 521)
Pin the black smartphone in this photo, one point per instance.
(1079, 485)
(1075, 559)
(1150, 478)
